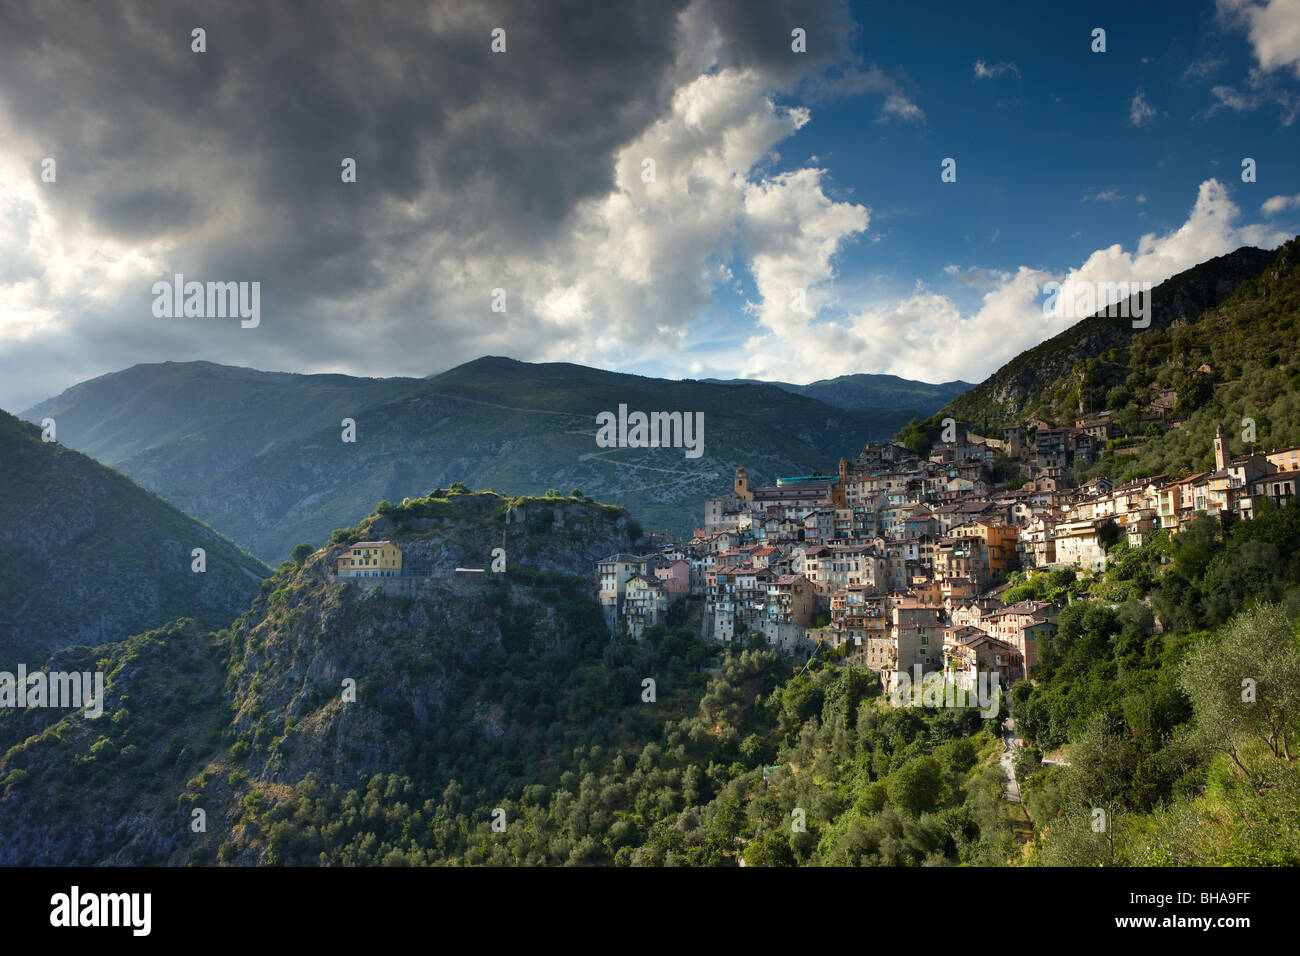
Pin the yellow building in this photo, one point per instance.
(371, 559)
(1286, 459)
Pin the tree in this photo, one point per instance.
(915, 786)
(575, 493)
(770, 850)
(916, 438)
(302, 553)
(1108, 534)
(1244, 684)
(1102, 761)
(1194, 390)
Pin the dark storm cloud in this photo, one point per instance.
(757, 33)
(290, 89)
(233, 156)
(146, 212)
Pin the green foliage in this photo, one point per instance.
(709, 773)
(919, 437)
(1244, 685)
(1177, 705)
(915, 786)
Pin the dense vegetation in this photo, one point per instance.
(719, 770)
(759, 764)
(1144, 682)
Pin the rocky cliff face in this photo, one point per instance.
(322, 676)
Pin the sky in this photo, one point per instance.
(666, 188)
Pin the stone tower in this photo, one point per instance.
(1220, 449)
(742, 484)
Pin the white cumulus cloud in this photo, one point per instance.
(925, 335)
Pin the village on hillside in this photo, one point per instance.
(899, 561)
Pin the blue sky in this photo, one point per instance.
(778, 178)
(1053, 162)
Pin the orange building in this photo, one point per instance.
(999, 539)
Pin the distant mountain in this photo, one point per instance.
(870, 393)
(176, 421)
(1021, 387)
(260, 456)
(87, 556)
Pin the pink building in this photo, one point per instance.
(676, 578)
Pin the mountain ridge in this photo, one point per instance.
(86, 555)
(869, 392)
(1009, 394)
(260, 456)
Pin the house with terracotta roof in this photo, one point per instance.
(969, 652)
(1023, 625)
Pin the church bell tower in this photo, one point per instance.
(742, 484)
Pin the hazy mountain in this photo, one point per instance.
(87, 556)
(176, 421)
(260, 455)
(871, 393)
